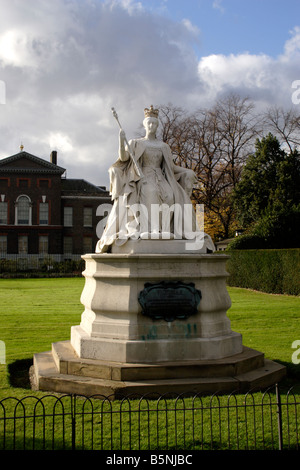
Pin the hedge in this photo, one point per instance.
(271, 271)
(33, 267)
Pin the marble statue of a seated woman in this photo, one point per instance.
(151, 194)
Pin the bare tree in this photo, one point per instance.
(238, 127)
(285, 125)
(215, 143)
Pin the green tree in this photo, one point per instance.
(267, 197)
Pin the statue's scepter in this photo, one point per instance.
(138, 170)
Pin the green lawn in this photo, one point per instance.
(268, 322)
(36, 312)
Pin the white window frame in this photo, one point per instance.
(87, 216)
(68, 217)
(29, 213)
(89, 241)
(70, 240)
(4, 207)
(43, 205)
(24, 239)
(3, 245)
(43, 244)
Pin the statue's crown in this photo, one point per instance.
(151, 112)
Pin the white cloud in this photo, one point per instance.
(292, 46)
(65, 63)
(58, 140)
(218, 5)
(2, 92)
(190, 27)
(131, 6)
(264, 79)
(247, 71)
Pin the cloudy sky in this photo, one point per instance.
(65, 63)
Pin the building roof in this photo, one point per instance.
(25, 162)
(81, 186)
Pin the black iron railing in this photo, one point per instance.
(267, 420)
(42, 264)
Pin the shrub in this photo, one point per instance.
(247, 242)
(272, 271)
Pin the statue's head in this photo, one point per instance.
(151, 118)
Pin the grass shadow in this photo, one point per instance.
(18, 373)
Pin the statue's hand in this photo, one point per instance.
(122, 136)
(122, 151)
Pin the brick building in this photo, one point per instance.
(42, 212)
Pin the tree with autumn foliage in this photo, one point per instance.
(215, 143)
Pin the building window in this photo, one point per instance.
(3, 245)
(23, 182)
(3, 213)
(43, 244)
(44, 213)
(68, 245)
(23, 211)
(23, 245)
(87, 245)
(4, 183)
(68, 216)
(44, 183)
(87, 216)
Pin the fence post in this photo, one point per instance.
(279, 417)
(73, 412)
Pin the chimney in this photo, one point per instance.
(53, 157)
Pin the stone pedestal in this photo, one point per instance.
(120, 349)
(114, 328)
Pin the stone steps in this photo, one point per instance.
(68, 362)
(60, 370)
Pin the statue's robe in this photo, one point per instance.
(125, 184)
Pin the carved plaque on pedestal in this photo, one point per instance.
(169, 300)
